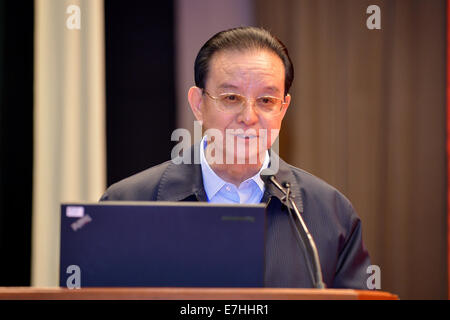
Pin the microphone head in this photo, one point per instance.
(266, 174)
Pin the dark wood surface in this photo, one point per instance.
(33, 293)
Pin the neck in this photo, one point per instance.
(235, 173)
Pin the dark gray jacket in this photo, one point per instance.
(330, 218)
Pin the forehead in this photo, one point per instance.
(246, 70)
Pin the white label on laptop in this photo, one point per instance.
(74, 212)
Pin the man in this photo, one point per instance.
(242, 79)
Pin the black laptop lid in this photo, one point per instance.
(163, 244)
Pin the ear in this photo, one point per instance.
(195, 99)
(287, 101)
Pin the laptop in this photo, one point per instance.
(162, 244)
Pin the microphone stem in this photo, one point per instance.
(305, 235)
(311, 245)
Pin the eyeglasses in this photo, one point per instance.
(235, 103)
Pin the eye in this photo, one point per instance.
(267, 101)
(231, 98)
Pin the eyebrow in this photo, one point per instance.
(227, 86)
(273, 89)
(231, 86)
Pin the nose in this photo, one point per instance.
(248, 115)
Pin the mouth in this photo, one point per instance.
(246, 136)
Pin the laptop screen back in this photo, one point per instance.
(163, 244)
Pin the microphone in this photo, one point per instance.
(313, 262)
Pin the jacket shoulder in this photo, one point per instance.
(318, 188)
(142, 186)
(326, 201)
(333, 221)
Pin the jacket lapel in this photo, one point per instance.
(182, 182)
(284, 174)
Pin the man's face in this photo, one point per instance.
(252, 74)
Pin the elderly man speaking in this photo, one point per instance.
(241, 95)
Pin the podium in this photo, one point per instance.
(33, 293)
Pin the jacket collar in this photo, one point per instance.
(284, 174)
(184, 181)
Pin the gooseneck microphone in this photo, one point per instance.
(312, 256)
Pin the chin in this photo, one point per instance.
(249, 157)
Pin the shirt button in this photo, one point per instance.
(228, 188)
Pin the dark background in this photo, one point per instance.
(16, 140)
(140, 92)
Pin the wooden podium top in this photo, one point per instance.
(33, 293)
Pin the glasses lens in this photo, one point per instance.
(270, 105)
(231, 102)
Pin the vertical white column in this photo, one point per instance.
(69, 121)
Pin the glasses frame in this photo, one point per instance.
(247, 100)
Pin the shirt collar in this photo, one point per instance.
(213, 183)
(184, 181)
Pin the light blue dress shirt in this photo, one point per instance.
(220, 191)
